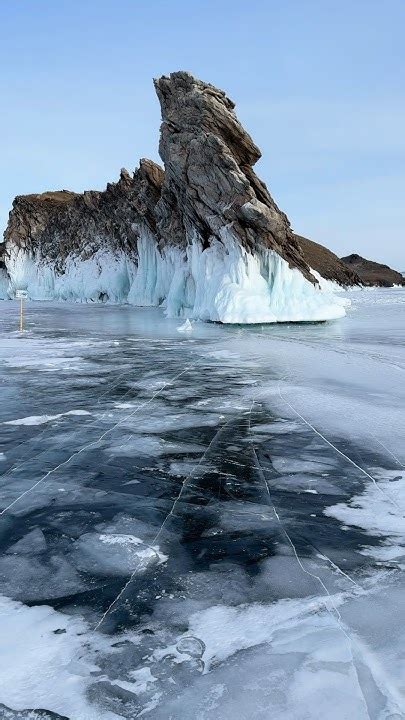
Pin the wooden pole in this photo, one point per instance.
(21, 315)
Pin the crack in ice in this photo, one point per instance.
(94, 442)
(184, 484)
(317, 432)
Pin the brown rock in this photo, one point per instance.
(326, 263)
(373, 273)
(51, 225)
(209, 179)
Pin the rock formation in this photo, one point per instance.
(64, 244)
(203, 238)
(209, 179)
(327, 264)
(55, 224)
(373, 273)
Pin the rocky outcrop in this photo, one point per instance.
(53, 225)
(4, 278)
(327, 264)
(209, 180)
(204, 237)
(373, 273)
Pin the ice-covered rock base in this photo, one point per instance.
(221, 283)
(4, 282)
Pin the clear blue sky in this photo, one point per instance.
(319, 84)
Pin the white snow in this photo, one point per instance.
(226, 630)
(222, 283)
(331, 286)
(43, 419)
(186, 327)
(380, 511)
(42, 669)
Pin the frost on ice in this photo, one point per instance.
(221, 283)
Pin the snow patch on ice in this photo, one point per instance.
(43, 419)
(380, 511)
(225, 630)
(41, 668)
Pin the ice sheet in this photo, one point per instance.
(221, 535)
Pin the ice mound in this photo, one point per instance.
(114, 554)
(32, 579)
(186, 328)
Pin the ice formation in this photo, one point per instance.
(4, 283)
(221, 283)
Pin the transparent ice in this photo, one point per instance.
(205, 524)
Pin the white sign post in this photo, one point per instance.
(21, 295)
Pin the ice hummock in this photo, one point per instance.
(222, 283)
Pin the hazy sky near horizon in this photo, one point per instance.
(319, 84)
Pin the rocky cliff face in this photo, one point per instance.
(4, 279)
(64, 245)
(203, 237)
(52, 225)
(373, 273)
(209, 180)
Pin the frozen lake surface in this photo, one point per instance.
(205, 524)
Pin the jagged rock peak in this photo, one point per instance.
(210, 186)
(55, 224)
(189, 104)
